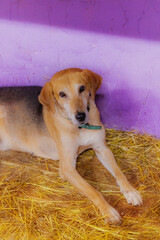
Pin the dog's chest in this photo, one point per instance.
(91, 138)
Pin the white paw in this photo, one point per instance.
(133, 197)
(111, 216)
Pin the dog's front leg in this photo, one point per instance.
(105, 155)
(68, 171)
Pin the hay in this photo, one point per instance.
(35, 204)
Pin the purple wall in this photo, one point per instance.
(118, 39)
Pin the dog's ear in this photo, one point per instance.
(46, 96)
(94, 81)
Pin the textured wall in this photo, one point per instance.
(118, 39)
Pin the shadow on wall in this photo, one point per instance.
(119, 108)
(116, 17)
(122, 108)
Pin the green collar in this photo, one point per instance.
(88, 126)
(91, 127)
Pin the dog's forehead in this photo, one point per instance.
(68, 80)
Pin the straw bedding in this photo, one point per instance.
(35, 204)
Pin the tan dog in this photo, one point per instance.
(52, 131)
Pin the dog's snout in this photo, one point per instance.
(80, 116)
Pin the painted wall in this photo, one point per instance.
(118, 39)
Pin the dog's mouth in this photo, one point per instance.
(81, 123)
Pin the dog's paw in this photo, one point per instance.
(111, 216)
(133, 197)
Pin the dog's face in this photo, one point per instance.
(69, 92)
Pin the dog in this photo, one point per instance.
(60, 121)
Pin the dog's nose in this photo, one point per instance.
(80, 116)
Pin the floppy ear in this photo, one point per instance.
(94, 80)
(46, 97)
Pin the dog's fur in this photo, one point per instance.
(40, 121)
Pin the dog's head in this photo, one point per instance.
(69, 92)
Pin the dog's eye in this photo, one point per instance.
(62, 94)
(81, 89)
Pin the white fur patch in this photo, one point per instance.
(70, 114)
(95, 138)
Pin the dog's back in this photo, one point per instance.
(8, 94)
(22, 103)
(21, 119)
